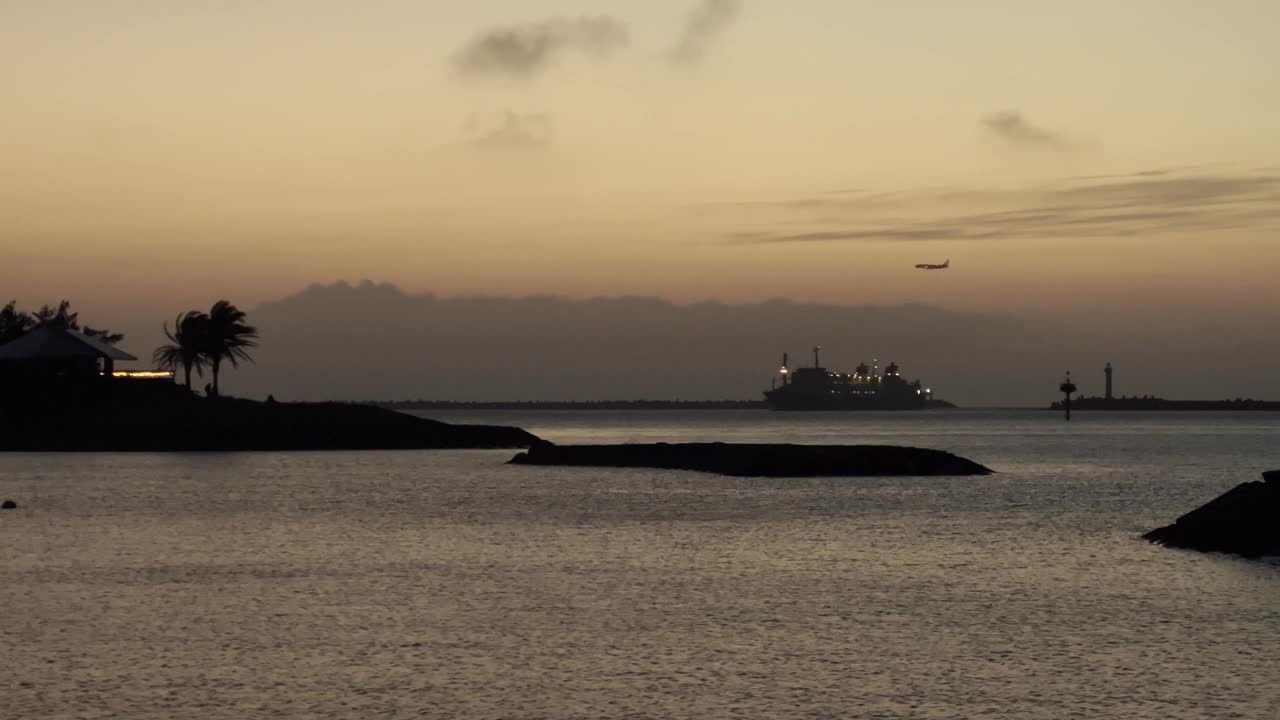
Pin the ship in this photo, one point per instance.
(817, 388)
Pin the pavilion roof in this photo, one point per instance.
(49, 342)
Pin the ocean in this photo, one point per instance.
(451, 585)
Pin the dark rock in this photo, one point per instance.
(1243, 521)
(758, 460)
(8, 505)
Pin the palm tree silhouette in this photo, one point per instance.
(186, 345)
(227, 337)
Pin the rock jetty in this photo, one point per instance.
(758, 460)
(1243, 521)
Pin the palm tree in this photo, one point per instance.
(186, 344)
(227, 338)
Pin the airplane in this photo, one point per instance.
(927, 266)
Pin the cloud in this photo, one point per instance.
(546, 348)
(524, 51)
(884, 234)
(538, 348)
(705, 24)
(1011, 127)
(1125, 206)
(509, 131)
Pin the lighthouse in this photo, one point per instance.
(1108, 372)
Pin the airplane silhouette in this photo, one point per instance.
(927, 266)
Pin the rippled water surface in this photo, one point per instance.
(451, 585)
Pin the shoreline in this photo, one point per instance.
(167, 418)
(1153, 404)
(420, 405)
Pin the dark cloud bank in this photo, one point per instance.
(375, 342)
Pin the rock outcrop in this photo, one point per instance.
(1243, 521)
(758, 460)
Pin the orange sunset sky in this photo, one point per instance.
(1068, 158)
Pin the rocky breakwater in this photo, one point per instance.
(1243, 521)
(758, 460)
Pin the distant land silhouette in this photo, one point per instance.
(1162, 404)
(426, 405)
(374, 342)
(573, 405)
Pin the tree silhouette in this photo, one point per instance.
(228, 338)
(15, 323)
(186, 345)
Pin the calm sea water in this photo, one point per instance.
(451, 585)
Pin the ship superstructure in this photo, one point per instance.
(866, 388)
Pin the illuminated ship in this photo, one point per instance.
(817, 388)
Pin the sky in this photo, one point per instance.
(1093, 162)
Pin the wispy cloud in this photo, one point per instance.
(705, 24)
(1127, 206)
(525, 50)
(1015, 130)
(509, 131)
